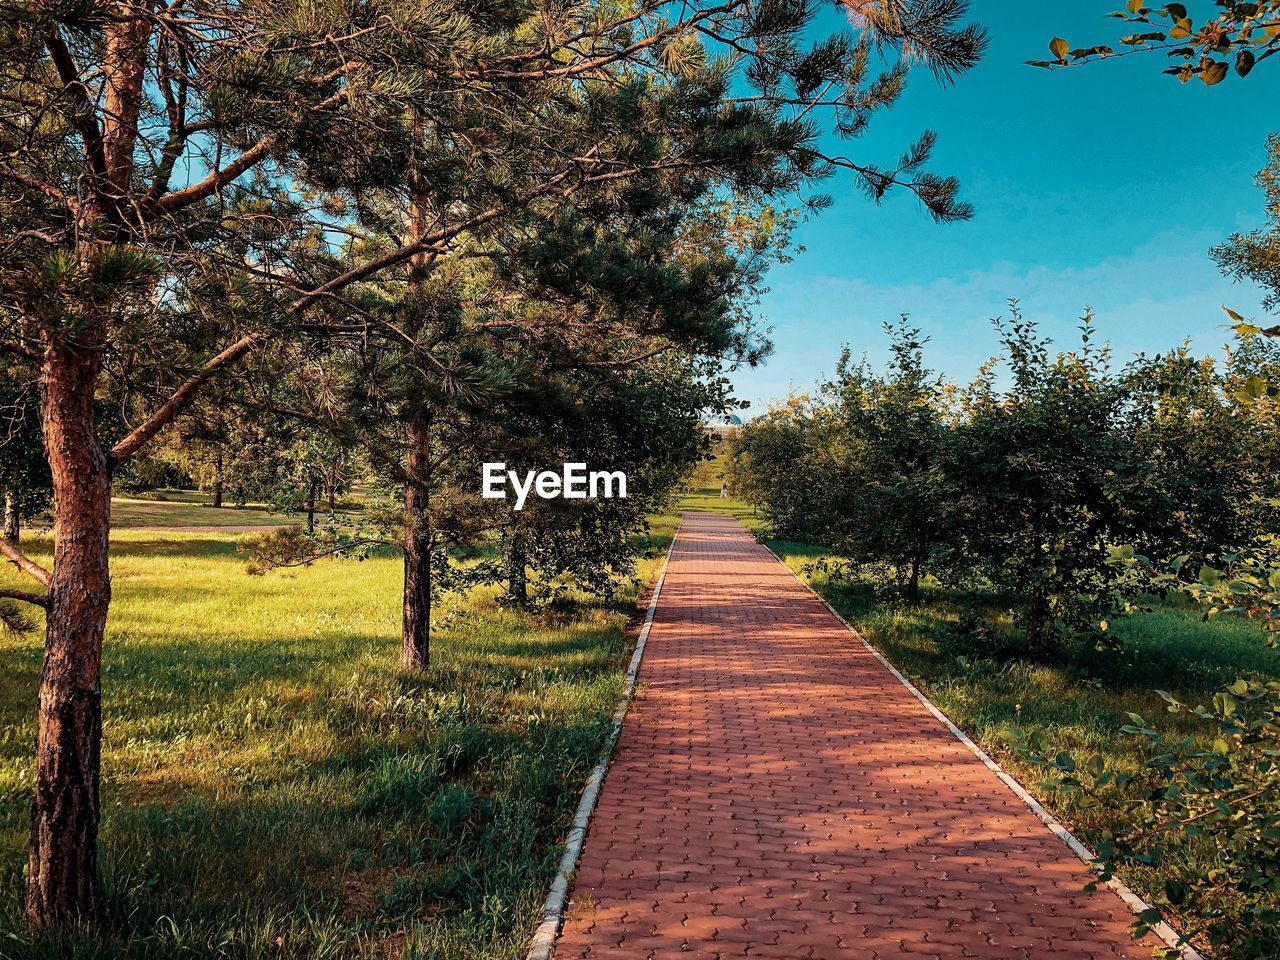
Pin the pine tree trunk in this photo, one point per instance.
(62, 878)
(311, 505)
(12, 522)
(913, 585)
(517, 576)
(415, 637)
(217, 477)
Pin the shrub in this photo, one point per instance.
(1204, 811)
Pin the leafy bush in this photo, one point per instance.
(1204, 811)
(860, 468)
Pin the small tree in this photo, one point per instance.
(1208, 489)
(896, 509)
(1048, 480)
(792, 464)
(641, 420)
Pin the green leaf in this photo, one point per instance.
(1244, 62)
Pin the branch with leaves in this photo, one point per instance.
(1202, 810)
(1239, 37)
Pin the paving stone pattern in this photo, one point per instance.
(776, 792)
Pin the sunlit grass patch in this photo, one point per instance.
(274, 785)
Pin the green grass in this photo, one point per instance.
(274, 786)
(1079, 703)
(188, 508)
(193, 508)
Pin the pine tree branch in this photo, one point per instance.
(23, 562)
(34, 183)
(17, 349)
(215, 181)
(84, 122)
(596, 63)
(561, 184)
(38, 599)
(182, 397)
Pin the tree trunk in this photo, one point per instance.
(311, 504)
(62, 878)
(415, 636)
(217, 476)
(913, 585)
(517, 576)
(1037, 618)
(12, 522)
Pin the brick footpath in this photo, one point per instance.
(777, 793)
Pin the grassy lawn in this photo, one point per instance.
(192, 508)
(274, 786)
(188, 508)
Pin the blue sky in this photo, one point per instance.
(1103, 186)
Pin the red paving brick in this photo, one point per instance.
(777, 793)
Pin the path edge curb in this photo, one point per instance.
(543, 945)
(1122, 890)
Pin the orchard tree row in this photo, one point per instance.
(1073, 491)
(1039, 480)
